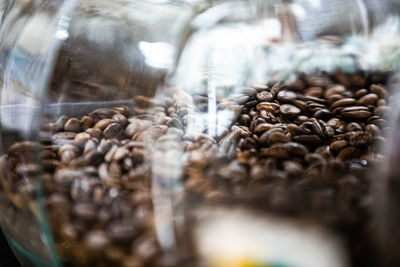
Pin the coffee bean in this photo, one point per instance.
(86, 122)
(289, 110)
(336, 89)
(73, 125)
(353, 126)
(317, 128)
(314, 91)
(96, 240)
(373, 129)
(81, 138)
(276, 150)
(113, 130)
(338, 145)
(308, 139)
(61, 122)
(379, 90)
(322, 114)
(369, 99)
(265, 96)
(348, 153)
(382, 110)
(344, 102)
(360, 93)
(286, 96)
(355, 112)
(268, 106)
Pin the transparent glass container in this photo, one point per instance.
(195, 133)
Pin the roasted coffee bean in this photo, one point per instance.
(314, 91)
(360, 93)
(353, 126)
(286, 96)
(265, 96)
(113, 130)
(102, 124)
(86, 122)
(344, 102)
(289, 110)
(382, 110)
(336, 89)
(322, 114)
(312, 139)
(355, 112)
(379, 90)
(369, 99)
(268, 106)
(338, 145)
(61, 122)
(317, 128)
(81, 138)
(73, 125)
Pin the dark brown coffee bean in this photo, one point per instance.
(353, 126)
(300, 104)
(322, 114)
(103, 113)
(263, 127)
(73, 125)
(336, 89)
(265, 96)
(292, 128)
(313, 140)
(369, 99)
(102, 124)
(317, 128)
(245, 119)
(381, 102)
(306, 127)
(314, 91)
(86, 122)
(360, 93)
(379, 90)
(348, 153)
(335, 97)
(276, 150)
(289, 110)
(355, 112)
(81, 138)
(338, 145)
(113, 130)
(297, 149)
(286, 96)
(382, 110)
(373, 129)
(273, 137)
(344, 102)
(61, 122)
(251, 104)
(268, 106)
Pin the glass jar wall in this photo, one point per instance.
(210, 133)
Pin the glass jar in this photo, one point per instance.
(193, 133)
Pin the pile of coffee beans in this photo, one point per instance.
(301, 148)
